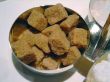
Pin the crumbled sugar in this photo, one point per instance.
(101, 71)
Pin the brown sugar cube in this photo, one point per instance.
(23, 51)
(39, 9)
(51, 29)
(57, 39)
(70, 22)
(28, 36)
(41, 41)
(39, 66)
(49, 63)
(55, 13)
(28, 59)
(36, 39)
(39, 55)
(72, 56)
(78, 37)
(26, 14)
(21, 48)
(17, 29)
(59, 43)
(37, 20)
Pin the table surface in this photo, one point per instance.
(9, 11)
